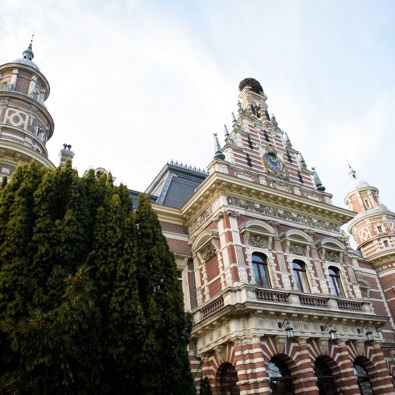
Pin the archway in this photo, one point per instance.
(281, 381)
(361, 371)
(228, 380)
(325, 379)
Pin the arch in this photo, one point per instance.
(330, 243)
(326, 382)
(279, 369)
(297, 236)
(363, 370)
(203, 238)
(226, 380)
(259, 227)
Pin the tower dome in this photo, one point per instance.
(356, 183)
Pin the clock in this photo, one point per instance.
(272, 161)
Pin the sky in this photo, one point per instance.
(138, 83)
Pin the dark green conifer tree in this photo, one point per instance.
(164, 360)
(205, 388)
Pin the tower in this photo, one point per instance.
(373, 229)
(25, 123)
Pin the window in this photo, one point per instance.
(325, 379)
(385, 242)
(334, 275)
(228, 381)
(259, 264)
(366, 202)
(280, 377)
(299, 269)
(363, 379)
(379, 229)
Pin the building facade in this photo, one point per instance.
(281, 303)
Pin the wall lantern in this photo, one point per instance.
(368, 333)
(289, 330)
(332, 332)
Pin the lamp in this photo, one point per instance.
(289, 330)
(332, 332)
(368, 333)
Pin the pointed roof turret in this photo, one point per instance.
(27, 56)
(218, 151)
(28, 53)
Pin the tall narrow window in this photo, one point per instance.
(299, 269)
(259, 264)
(334, 275)
(385, 243)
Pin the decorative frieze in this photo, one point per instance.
(282, 214)
(332, 256)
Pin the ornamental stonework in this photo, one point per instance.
(258, 241)
(297, 249)
(282, 214)
(332, 256)
(209, 252)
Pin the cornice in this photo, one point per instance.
(27, 154)
(223, 184)
(168, 214)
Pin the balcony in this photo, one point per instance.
(250, 298)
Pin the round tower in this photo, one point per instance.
(373, 229)
(25, 123)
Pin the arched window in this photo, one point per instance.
(299, 269)
(334, 275)
(325, 379)
(280, 377)
(363, 379)
(228, 381)
(261, 273)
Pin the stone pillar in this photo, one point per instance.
(306, 382)
(381, 381)
(347, 382)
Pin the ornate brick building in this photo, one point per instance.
(281, 303)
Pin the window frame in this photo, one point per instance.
(300, 275)
(260, 268)
(336, 281)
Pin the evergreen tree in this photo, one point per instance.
(205, 388)
(164, 359)
(89, 296)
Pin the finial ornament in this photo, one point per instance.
(352, 172)
(317, 181)
(217, 148)
(28, 53)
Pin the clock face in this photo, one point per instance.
(273, 162)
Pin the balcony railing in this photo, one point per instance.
(271, 296)
(237, 296)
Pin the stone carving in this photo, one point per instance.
(232, 213)
(286, 281)
(332, 256)
(282, 214)
(203, 217)
(258, 241)
(209, 252)
(218, 216)
(275, 224)
(296, 249)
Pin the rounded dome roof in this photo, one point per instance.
(356, 184)
(26, 62)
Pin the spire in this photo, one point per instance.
(352, 172)
(217, 148)
(226, 132)
(317, 181)
(28, 53)
(287, 140)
